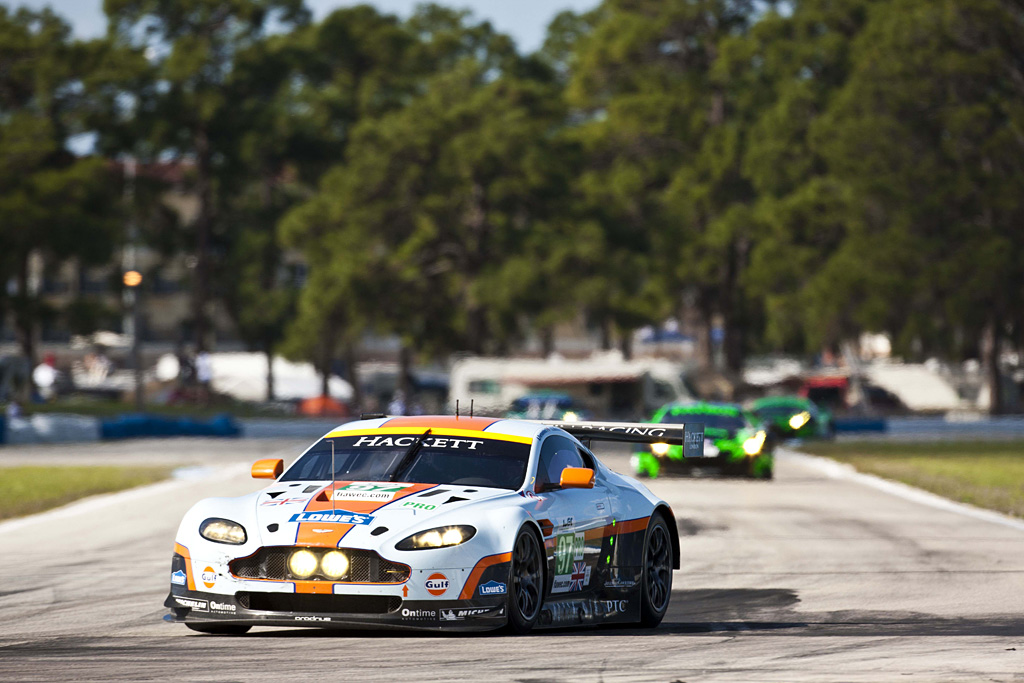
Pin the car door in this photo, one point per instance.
(578, 519)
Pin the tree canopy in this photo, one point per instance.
(790, 173)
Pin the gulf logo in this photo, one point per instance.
(209, 577)
(436, 584)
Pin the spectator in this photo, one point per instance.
(45, 377)
(204, 373)
(397, 405)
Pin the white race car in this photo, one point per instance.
(435, 523)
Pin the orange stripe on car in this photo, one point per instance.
(407, 431)
(627, 526)
(478, 570)
(314, 587)
(183, 551)
(312, 534)
(474, 423)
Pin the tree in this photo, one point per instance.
(665, 136)
(433, 202)
(792, 66)
(51, 202)
(927, 130)
(354, 64)
(412, 233)
(190, 114)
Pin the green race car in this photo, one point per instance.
(794, 417)
(732, 443)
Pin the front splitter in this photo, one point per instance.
(196, 607)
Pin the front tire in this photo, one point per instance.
(526, 583)
(220, 630)
(656, 586)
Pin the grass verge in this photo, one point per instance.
(25, 490)
(989, 474)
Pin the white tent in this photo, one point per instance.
(244, 377)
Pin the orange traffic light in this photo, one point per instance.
(132, 278)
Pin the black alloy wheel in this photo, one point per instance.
(219, 630)
(657, 577)
(526, 589)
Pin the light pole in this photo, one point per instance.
(132, 279)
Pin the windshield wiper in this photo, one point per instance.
(409, 455)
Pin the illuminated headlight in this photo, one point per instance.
(302, 564)
(570, 416)
(334, 565)
(659, 448)
(799, 420)
(441, 537)
(222, 531)
(753, 445)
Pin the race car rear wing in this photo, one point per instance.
(690, 435)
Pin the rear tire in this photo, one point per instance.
(526, 582)
(220, 630)
(656, 584)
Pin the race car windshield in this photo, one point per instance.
(710, 420)
(439, 460)
(781, 410)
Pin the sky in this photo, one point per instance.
(525, 20)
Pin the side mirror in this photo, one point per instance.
(577, 478)
(271, 468)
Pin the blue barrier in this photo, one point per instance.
(142, 425)
(859, 424)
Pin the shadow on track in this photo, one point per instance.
(746, 611)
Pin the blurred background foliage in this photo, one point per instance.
(802, 171)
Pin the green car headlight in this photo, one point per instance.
(799, 420)
(754, 444)
(222, 531)
(439, 537)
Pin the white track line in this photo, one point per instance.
(838, 470)
(107, 499)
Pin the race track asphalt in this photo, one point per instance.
(810, 577)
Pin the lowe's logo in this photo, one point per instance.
(178, 578)
(331, 517)
(493, 588)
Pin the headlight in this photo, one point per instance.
(659, 448)
(302, 564)
(799, 420)
(222, 531)
(441, 537)
(570, 416)
(753, 445)
(334, 565)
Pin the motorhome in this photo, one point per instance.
(606, 385)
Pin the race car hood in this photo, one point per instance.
(715, 433)
(364, 514)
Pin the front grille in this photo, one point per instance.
(365, 566)
(319, 604)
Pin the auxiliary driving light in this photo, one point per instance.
(334, 565)
(302, 564)
(659, 448)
